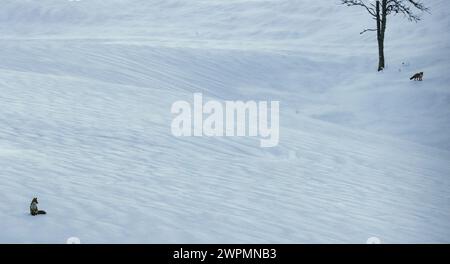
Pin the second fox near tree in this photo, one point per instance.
(380, 12)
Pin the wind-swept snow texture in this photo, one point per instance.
(86, 89)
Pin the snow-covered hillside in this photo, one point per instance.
(86, 89)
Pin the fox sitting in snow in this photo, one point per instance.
(34, 209)
(417, 77)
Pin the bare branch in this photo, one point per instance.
(366, 30)
(407, 8)
(362, 3)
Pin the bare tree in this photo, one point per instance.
(380, 10)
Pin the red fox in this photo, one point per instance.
(34, 209)
(417, 77)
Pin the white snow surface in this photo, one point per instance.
(86, 89)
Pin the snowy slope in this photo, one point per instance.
(86, 89)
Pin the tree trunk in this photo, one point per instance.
(381, 29)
